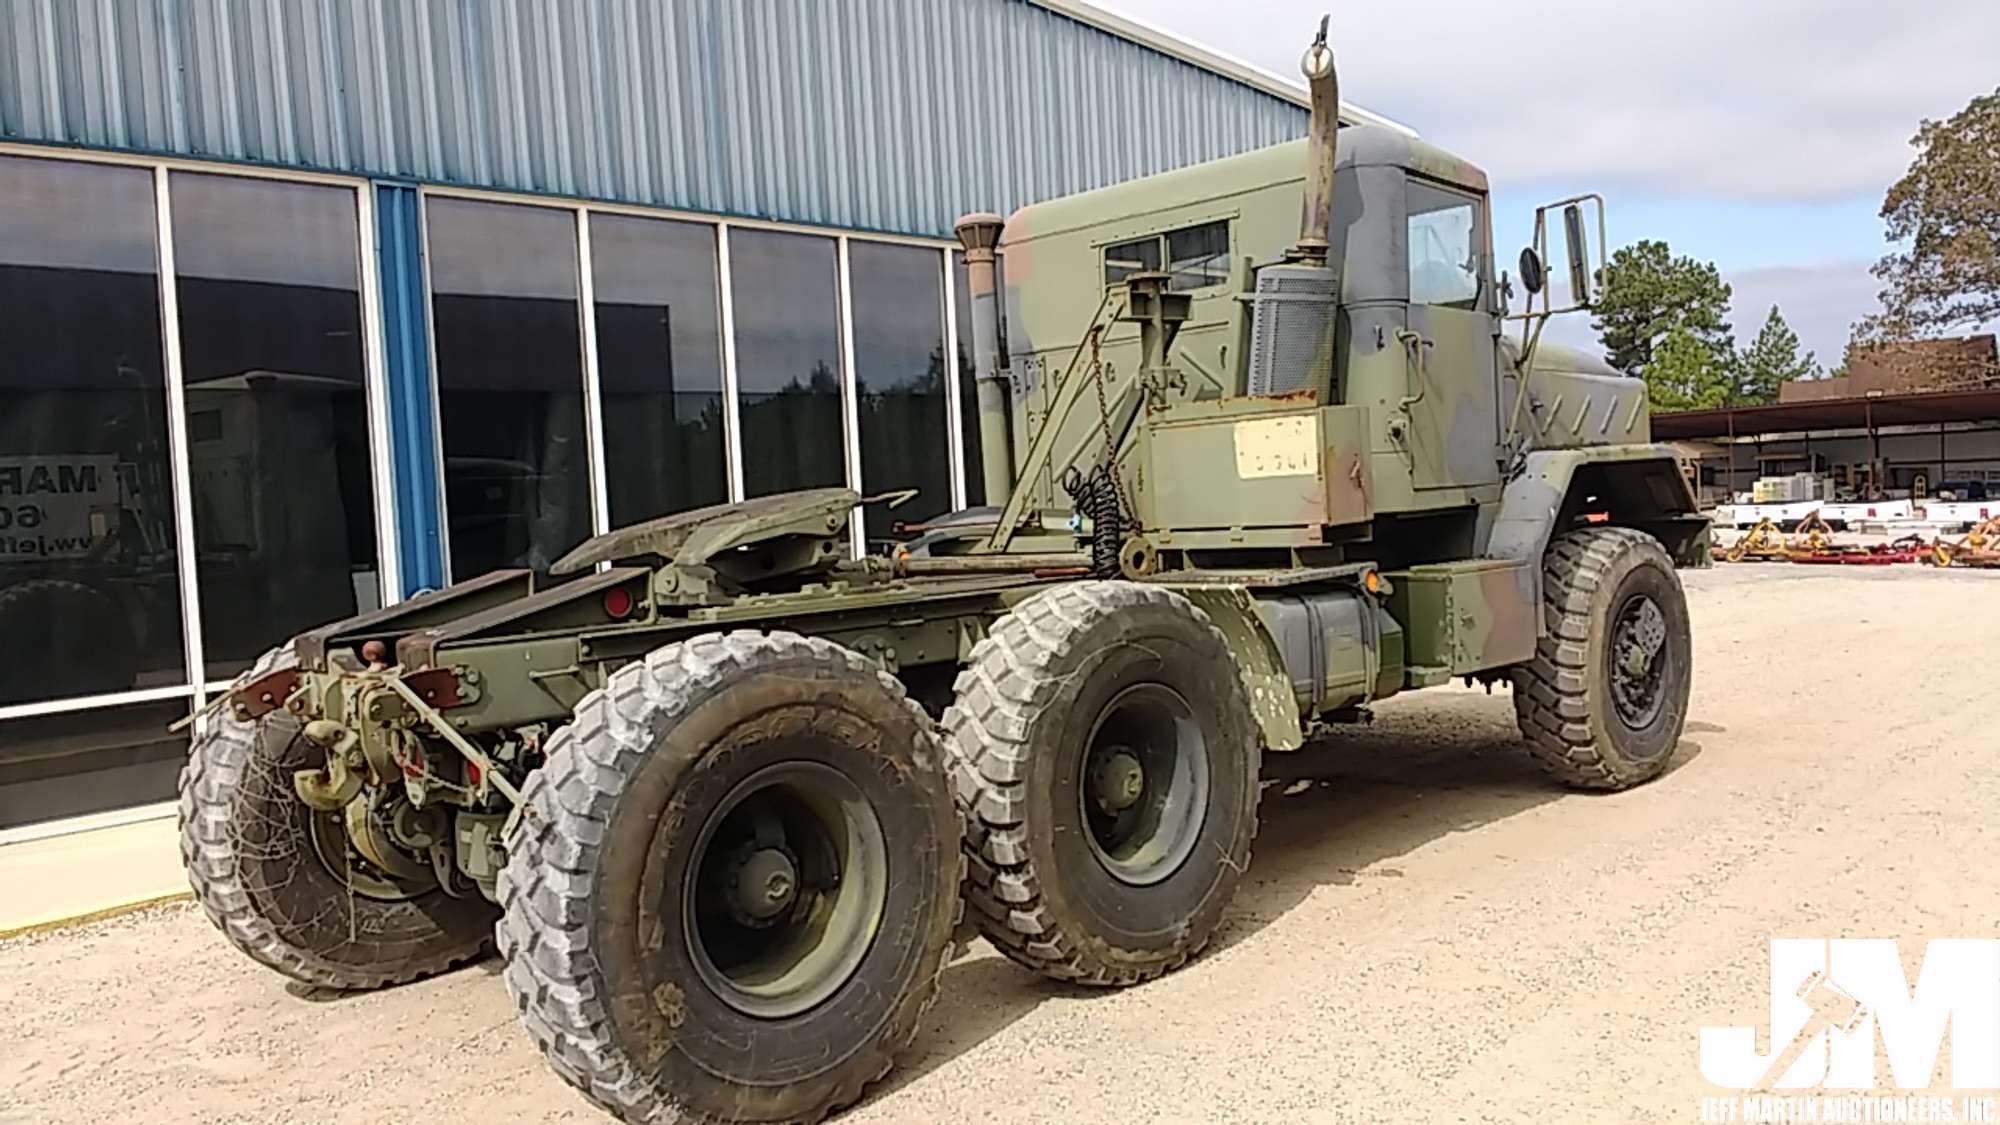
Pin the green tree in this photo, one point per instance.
(1945, 213)
(1772, 358)
(1647, 292)
(1686, 372)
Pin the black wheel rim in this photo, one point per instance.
(1639, 656)
(335, 850)
(786, 889)
(1144, 784)
(331, 834)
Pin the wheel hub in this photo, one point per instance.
(766, 885)
(1118, 781)
(1638, 660)
(1144, 784)
(787, 886)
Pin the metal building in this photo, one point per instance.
(305, 307)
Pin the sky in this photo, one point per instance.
(1757, 134)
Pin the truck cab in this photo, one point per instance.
(1398, 362)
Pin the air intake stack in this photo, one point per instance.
(980, 235)
(1293, 307)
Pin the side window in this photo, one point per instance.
(1127, 258)
(1198, 256)
(1443, 246)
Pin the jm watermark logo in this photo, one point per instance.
(1845, 1017)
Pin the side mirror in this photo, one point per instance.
(1533, 276)
(1579, 266)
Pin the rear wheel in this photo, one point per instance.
(736, 882)
(81, 641)
(286, 884)
(1603, 701)
(1106, 756)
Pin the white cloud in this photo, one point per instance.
(1774, 99)
(1820, 302)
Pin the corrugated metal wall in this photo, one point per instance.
(876, 114)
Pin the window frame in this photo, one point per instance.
(1162, 240)
(1448, 197)
(198, 689)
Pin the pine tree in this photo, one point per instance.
(1647, 292)
(1773, 358)
(1687, 373)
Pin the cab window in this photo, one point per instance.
(1127, 258)
(1444, 247)
(1198, 257)
(1195, 257)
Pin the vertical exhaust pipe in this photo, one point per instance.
(980, 234)
(1322, 144)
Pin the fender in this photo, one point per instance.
(1633, 485)
(1234, 612)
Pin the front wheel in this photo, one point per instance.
(1604, 699)
(736, 883)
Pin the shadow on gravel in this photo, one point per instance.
(488, 963)
(1337, 810)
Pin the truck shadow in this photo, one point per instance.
(1332, 814)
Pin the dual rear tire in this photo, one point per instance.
(1106, 757)
(739, 875)
(735, 884)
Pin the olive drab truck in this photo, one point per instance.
(1266, 445)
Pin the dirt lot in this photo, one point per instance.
(1428, 932)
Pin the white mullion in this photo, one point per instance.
(954, 408)
(381, 455)
(93, 702)
(185, 553)
(850, 414)
(436, 381)
(732, 415)
(593, 391)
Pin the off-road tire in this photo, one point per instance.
(80, 640)
(592, 966)
(1016, 734)
(249, 857)
(1562, 698)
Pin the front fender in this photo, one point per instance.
(1636, 485)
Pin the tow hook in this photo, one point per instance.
(332, 787)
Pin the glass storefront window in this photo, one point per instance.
(272, 353)
(899, 379)
(73, 763)
(510, 382)
(659, 363)
(787, 315)
(89, 593)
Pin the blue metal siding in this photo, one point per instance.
(399, 248)
(889, 115)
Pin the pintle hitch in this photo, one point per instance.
(332, 786)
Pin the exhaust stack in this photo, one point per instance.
(979, 233)
(1322, 143)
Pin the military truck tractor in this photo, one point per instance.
(725, 796)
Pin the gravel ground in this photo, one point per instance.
(1428, 932)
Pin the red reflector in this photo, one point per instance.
(618, 603)
(472, 773)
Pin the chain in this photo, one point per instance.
(1104, 422)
